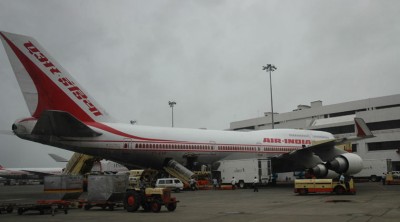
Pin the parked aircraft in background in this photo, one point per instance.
(13, 174)
(65, 116)
(23, 173)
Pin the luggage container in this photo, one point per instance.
(106, 191)
(63, 187)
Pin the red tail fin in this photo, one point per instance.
(45, 84)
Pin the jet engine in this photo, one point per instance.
(319, 170)
(347, 163)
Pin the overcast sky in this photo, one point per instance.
(135, 56)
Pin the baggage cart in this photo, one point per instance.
(106, 191)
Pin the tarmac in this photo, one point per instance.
(373, 202)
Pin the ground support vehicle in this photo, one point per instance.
(373, 169)
(149, 199)
(60, 191)
(244, 171)
(172, 183)
(44, 206)
(305, 186)
(7, 208)
(393, 178)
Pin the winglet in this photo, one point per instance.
(57, 158)
(362, 129)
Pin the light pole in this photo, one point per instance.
(270, 68)
(172, 104)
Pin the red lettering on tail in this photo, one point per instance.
(68, 84)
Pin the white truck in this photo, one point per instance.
(373, 169)
(244, 171)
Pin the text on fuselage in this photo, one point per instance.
(287, 141)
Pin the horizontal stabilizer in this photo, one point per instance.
(361, 130)
(62, 124)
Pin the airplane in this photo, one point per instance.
(27, 173)
(64, 115)
(13, 174)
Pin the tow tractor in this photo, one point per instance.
(305, 186)
(149, 199)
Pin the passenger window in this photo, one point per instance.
(169, 181)
(161, 182)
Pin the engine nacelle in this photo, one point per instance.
(347, 163)
(331, 175)
(320, 170)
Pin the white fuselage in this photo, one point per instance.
(150, 146)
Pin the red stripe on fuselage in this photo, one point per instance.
(51, 97)
(119, 133)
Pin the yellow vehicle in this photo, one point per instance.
(393, 178)
(305, 186)
(149, 199)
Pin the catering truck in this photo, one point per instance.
(373, 169)
(244, 171)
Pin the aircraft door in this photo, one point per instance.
(127, 143)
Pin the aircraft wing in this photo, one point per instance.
(304, 158)
(320, 153)
(63, 124)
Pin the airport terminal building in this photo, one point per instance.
(382, 115)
